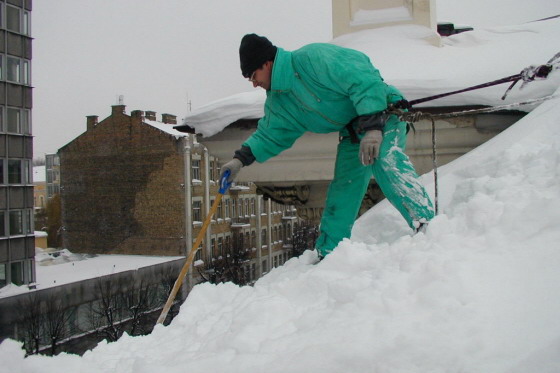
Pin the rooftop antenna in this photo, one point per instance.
(189, 104)
(120, 99)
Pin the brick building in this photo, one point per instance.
(133, 185)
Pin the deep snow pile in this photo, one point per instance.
(477, 293)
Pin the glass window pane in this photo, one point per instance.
(26, 122)
(2, 224)
(26, 23)
(29, 221)
(14, 171)
(1, 66)
(17, 273)
(16, 222)
(26, 78)
(14, 69)
(2, 119)
(13, 120)
(2, 275)
(26, 172)
(13, 22)
(2, 171)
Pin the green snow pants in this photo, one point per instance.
(394, 174)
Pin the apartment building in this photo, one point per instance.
(17, 243)
(133, 185)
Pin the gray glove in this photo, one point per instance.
(369, 146)
(234, 166)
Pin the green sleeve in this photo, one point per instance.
(273, 135)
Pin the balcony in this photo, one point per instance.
(241, 222)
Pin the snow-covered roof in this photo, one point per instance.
(59, 267)
(167, 128)
(419, 69)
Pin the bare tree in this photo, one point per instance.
(304, 238)
(31, 323)
(168, 278)
(106, 312)
(138, 303)
(56, 320)
(229, 266)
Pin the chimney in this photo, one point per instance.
(91, 121)
(169, 118)
(151, 115)
(137, 114)
(117, 109)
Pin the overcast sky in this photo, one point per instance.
(159, 54)
(154, 53)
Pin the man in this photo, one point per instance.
(324, 88)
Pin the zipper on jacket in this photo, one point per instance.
(307, 88)
(317, 112)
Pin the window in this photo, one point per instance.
(27, 172)
(220, 246)
(2, 171)
(264, 267)
(2, 275)
(28, 221)
(263, 237)
(228, 243)
(19, 121)
(26, 73)
(16, 222)
(2, 223)
(212, 246)
(14, 171)
(212, 171)
(253, 239)
(14, 70)
(247, 212)
(13, 120)
(227, 208)
(1, 67)
(253, 206)
(198, 254)
(196, 169)
(13, 19)
(219, 212)
(26, 23)
(253, 271)
(197, 213)
(18, 70)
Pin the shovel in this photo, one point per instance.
(224, 186)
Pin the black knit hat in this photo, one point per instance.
(254, 51)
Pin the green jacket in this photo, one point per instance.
(318, 88)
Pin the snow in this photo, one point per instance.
(167, 128)
(478, 292)
(464, 60)
(387, 15)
